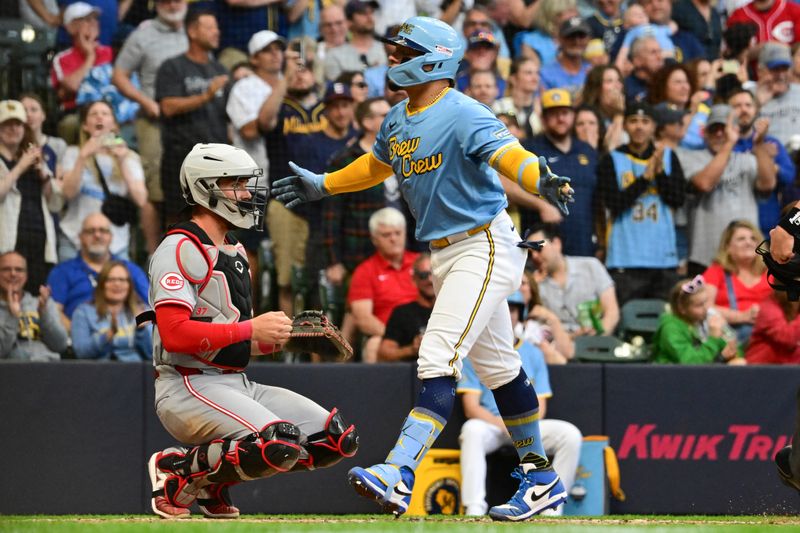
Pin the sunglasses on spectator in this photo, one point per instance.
(102, 231)
(423, 274)
(693, 286)
(360, 84)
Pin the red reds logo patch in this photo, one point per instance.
(172, 281)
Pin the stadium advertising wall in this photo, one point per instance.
(690, 440)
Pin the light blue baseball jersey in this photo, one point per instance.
(440, 155)
(534, 365)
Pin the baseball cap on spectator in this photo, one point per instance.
(359, 6)
(554, 98)
(667, 113)
(775, 55)
(78, 10)
(719, 115)
(595, 48)
(337, 91)
(574, 26)
(642, 109)
(482, 38)
(504, 107)
(12, 109)
(262, 39)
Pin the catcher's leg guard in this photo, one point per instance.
(331, 445)
(224, 461)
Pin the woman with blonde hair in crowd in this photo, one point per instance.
(737, 279)
(102, 161)
(604, 90)
(106, 328)
(28, 196)
(691, 333)
(522, 96)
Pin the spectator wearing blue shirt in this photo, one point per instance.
(647, 61)
(606, 24)
(73, 282)
(745, 105)
(481, 54)
(568, 156)
(687, 46)
(568, 71)
(106, 328)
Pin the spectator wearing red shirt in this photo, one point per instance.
(737, 278)
(777, 20)
(383, 281)
(776, 333)
(71, 66)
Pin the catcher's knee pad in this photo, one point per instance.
(280, 446)
(329, 446)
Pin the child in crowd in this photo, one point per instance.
(689, 334)
(637, 25)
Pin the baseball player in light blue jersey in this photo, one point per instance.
(447, 150)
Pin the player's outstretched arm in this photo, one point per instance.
(306, 186)
(532, 174)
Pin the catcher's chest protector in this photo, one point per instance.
(225, 294)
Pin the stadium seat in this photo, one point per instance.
(640, 318)
(608, 349)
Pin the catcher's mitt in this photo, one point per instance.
(312, 332)
(781, 276)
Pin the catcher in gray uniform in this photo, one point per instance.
(205, 334)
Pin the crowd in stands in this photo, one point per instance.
(678, 123)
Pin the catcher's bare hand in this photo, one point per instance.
(271, 328)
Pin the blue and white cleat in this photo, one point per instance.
(388, 485)
(538, 490)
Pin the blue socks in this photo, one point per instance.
(519, 407)
(424, 423)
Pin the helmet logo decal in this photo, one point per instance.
(239, 266)
(406, 28)
(444, 50)
(171, 281)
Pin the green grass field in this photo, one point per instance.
(381, 524)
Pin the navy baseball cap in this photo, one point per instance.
(358, 6)
(574, 26)
(337, 91)
(642, 109)
(668, 113)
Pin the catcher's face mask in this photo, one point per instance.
(781, 276)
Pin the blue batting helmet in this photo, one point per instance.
(441, 49)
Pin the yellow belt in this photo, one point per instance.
(444, 242)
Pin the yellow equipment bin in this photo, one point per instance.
(437, 487)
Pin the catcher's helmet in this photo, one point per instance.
(441, 49)
(206, 164)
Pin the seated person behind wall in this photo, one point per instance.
(776, 333)
(737, 279)
(30, 328)
(407, 322)
(542, 327)
(691, 335)
(383, 281)
(484, 431)
(106, 328)
(73, 281)
(570, 285)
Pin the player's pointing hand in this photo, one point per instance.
(555, 189)
(304, 186)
